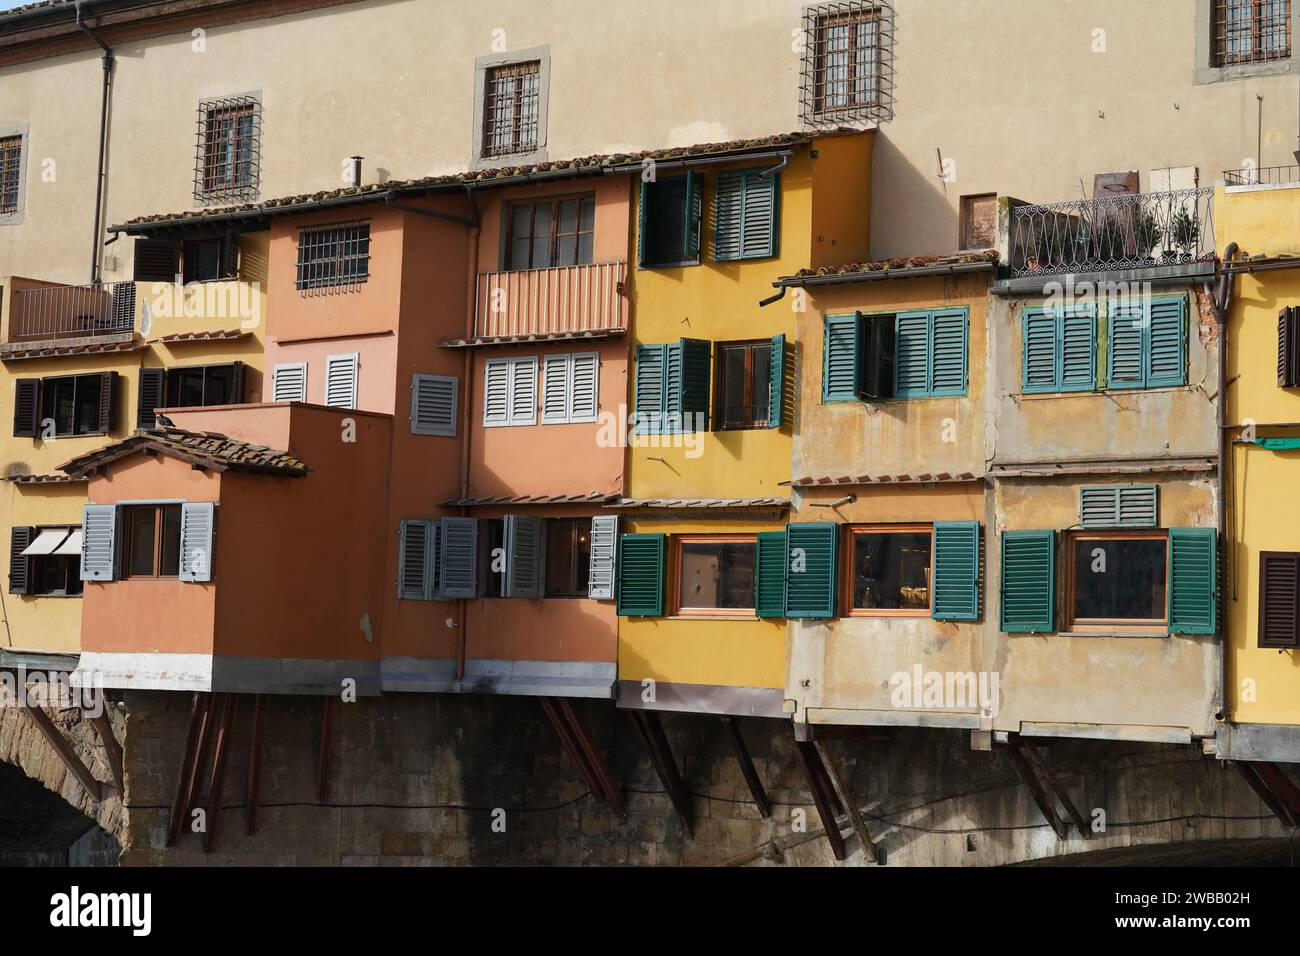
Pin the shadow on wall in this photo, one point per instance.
(910, 213)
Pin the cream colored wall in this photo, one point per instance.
(1012, 93)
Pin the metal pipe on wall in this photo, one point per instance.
(102, 173)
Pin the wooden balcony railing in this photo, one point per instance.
(583, 298)
(71, 311)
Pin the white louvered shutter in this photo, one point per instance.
(197, 519)
(433, 404)
(523, 391)
(341, 380)
(604, 543)
(289, 382)
(99, 542)
(556, 372)
(584, 387)
(496, 392)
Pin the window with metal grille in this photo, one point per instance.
(11, 156)
(333, 256)
(556, 232)
(228, 153)
(511, 108)
(848, 63)
(1250, 31)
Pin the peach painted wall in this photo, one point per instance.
(377, 367)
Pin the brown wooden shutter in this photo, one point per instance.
(107, 386)
(237, 379)
(27, 401)
(1279, 599)
(20, 567)
(150, 397)
(1288, 348)
(156, 260)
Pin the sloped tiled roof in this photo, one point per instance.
(699, 503)
(208, 449)
(43, 479)
(47, 350)
(535, 337)
(900, 267)
(220, 335)
(592, 497)
(815, 481)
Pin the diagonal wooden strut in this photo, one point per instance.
(565, 733)
(54, 737)
(846, 798)
(595, 761)
(323, 758)
(227, 717)
(747, 768)
(818, 783)
(652, 735)
(112, 749)
(189, 764)
(1254, 774)
(255, 764)
(1041, 797)
(1055, 786)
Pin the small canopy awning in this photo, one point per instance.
(48, 541)
(72, 545)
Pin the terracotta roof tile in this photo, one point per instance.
(209, 449)
(43, 479)
(592, 497)
(898, 265)
(220, 335)
(488, 340)
(45, 350)
(699, 503)
(813, 481)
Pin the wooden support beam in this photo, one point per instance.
(1250, 773)
(194, 794)
(54, 737)
(255, 764)
(846, 797)
(565, 733)
(1276, 780)
(1041, 797)
(323, 759)
(817, 783)
(198, 703)
(112, 749)
(595, 760)
(747, 768)
(661, 756)
(227, 717)
(1055, 786)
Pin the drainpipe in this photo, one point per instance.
(103, 137)
(467, 376)
(1222, 306)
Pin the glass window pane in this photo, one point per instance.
(733, 385)
(519, 249)
(761, 398)
(495, 539)
(585, 248)
(717, 575)
(171, 541)
(588, 222)
(559, 559)
(891, 570)
(87, 410)
(57, 403)
(140, 532)
(566, 251)
(665, 226)
(1120, 579)
(569, 216)
(219, 385)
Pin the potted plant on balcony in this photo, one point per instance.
(1186, 233)
(1146, 234)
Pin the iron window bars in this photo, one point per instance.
(334, 256)
(511, 109)
(1250, 31)
(848, 63)
(228, 150)
(11, 155)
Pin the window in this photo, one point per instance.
(151, 541)
(1288, 347)
(847, 63)
(568, 557)
(1250, 31)
(491, 550)
(570, 388)
(890, 571)
(1147, 345)
(744, 385)
(206, 260)
(908, 355)
(510, 391)
(228, 155)
(1279, 599)
(668, 226)
(45, 561)
(745, 215)
(512, 109)
(1059, 350)
(333, 256)
(11, 167)
(69, 405)
(198, 385)
(716, 574)
(1118, 579)
(557, 232)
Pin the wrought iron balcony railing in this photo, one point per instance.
(1113, 233)
(71, 311)
(582, 298)
(1262, 176)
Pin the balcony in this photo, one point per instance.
(1257, 177)
(44, 312)
(1169, 232)
(560, 301)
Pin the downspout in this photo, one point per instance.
(471, 308)
(1222, 306)
(103, 138)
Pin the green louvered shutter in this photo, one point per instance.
(956, 571)
(1193, 562)
(649, 389)
(672, 400)
(1126, 354)
(1028, 582)
(1039, 352)
(694, 213)
(696, 374)
(812, 561)
(912, 350)
(728, 216)
(1077, 344)
(1119, 506)
(947, 361)
(640, 222)
(758, 232)
(841, 357)
(641, 575)
(1166, 352)
(776, 390)
(770, 574)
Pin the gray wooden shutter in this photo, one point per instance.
(584, 387)
(197, 526)
(289, 382)
(523, 541)
(1119, 506)
(99, 542)
(523, 391)
(27, 404)
(557, 371)
(415, 560)
(150, 397)
(604, 547)
(458, 576)
(496, 392)
(433, 405)
(341, 380)
(20, 565)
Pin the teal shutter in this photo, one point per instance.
(770, 574)
(1076, 338)
(776, 383)
(1193, 573)
(648, 397)
(1028, 582)
(672, 399)
(812, 562)
(956, 571)
(693, 383)
(728, 216)
(694, 213)
(640, 222)
(1167, 343)
(1038, 352)
(1126, 354)
(841, 357)
(641, 575)
(947, 358)
(912, 352)
(758, 233)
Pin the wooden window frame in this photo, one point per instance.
(1154, 627)
(125, 529)
(520, 121)
(554, 202)
(75, 379)
(846, 583)
(747, 421)
(674, 583)
(1221, 35)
